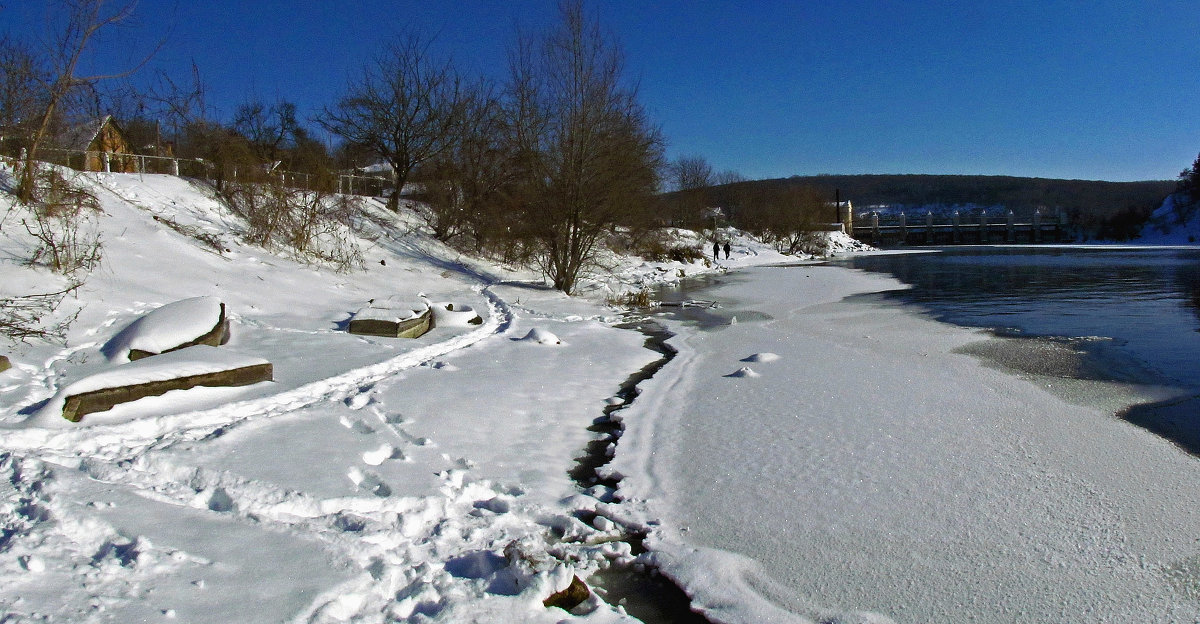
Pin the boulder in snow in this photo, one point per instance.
(392, 319)
(199, 365)
(174, 326)
(571, 597)
(4, 363)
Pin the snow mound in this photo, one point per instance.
(447, 314)
(761, 357)
(541, 336)
(744, 371)
(167, 327)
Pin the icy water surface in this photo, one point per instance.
(1131, 315)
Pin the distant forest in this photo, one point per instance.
(1110, 210)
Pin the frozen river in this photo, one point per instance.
(834, 456)
(1128, 315)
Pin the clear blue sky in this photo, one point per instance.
(1092, 90)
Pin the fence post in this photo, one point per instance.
(1037, 225)
(956, 236)
(903, 229)
(874, 227)
(983, 233)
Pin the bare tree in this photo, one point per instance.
(404, 108)
(84, 18)
(690, 172)
(22, 76)
(467, 187)
(269, 128)
(785, 217)
(728, 176)
(587, 155)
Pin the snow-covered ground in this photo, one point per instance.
(1173, 223)
(840, 462)
(835, 463)
(372, 480)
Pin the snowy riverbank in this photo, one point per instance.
(373, 479)
(833, 458)
(838, 462)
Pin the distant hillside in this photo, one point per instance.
(1096, 208)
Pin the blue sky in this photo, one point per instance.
(1091, 90)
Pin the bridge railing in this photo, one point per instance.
(958, 229)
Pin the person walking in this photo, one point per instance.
(716, 250)
(726, 250)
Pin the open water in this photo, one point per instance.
(1122, 315)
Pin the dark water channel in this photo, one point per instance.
(1121, 315)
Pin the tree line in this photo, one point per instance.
(539, 167)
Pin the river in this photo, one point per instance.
(1130, 315)
(830, 445)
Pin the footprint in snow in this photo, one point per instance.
(356, 425)
(382, 454)
(744, 371)
(369, 482)
(359, 401)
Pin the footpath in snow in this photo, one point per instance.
(837, 462)
(373, 479)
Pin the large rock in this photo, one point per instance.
(199, 365)
(174, 326)
(571, 597)
(4, 363)
(393, 320)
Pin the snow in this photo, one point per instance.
(451, 314)
(858, 470)
(1173, 223)
(166, 327)
(869, 473)
(195, 360)
(348, 488)
(392, 311)
(541, 336)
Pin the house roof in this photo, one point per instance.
(79, 137)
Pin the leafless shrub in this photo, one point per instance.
(639, 299)
(62, 224)
(22, 318)
(210, 240)
(316, 225)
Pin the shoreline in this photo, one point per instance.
(886, 339)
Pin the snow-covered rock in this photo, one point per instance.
(199, 365)
(198, 320)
